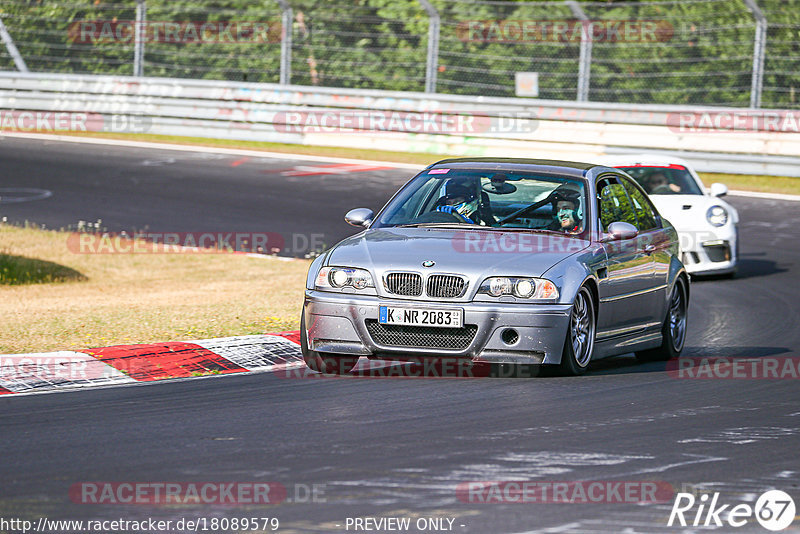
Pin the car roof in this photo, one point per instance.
(646, 160)
(550, 166)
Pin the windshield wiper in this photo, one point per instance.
(478, 227)
(523, 229)
(436, 225)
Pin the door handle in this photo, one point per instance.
(649, 249)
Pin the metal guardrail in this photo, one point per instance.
(541, 128)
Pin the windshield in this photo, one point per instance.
(671, 180)
(491, 199)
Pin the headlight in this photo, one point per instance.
(717, 215)
(524, 288)
(339, 277)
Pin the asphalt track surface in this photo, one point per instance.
(398, 447)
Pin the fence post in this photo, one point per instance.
(287, 21)
(139, 38)
(585, 57)
(759, 51)
(12, 48)
(432, 61)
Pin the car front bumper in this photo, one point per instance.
(710, 253)
(343, 323)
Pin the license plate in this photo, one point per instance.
(450, 318)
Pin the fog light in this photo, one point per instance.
(509, 336)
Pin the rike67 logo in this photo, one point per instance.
(774, 510)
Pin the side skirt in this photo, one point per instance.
(622, 345)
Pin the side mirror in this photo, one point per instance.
(718, 189)
(620, 231)
(359, 217)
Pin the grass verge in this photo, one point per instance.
(761, 183)
(764, 184)
(141, 298)
(417, 158)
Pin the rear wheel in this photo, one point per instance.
(579, 344)
(324, 362)
(674, 330)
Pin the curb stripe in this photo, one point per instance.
(21, 373)
(293, 336)
(127, 364)
(255, 353)
(160, 361)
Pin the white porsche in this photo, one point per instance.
(707, 225)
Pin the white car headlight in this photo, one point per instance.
(717, 216)
(339, 277)
(524, 288)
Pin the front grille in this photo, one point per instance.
(425, 337)
(406, 284)
(718, 253)
(445, 286)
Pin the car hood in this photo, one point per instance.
(471, 252)
(688, 212)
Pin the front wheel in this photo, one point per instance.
(324, 362)
(579, 344)
(673, 332)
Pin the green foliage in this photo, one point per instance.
(703, 53)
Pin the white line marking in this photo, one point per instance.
(10, 195)
(289, 156)
(211, 149)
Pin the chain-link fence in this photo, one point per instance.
(717, 52)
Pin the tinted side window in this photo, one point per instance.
(644, 212)
(615, 206)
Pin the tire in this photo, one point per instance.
(324, 362)
(579, 342)
(673, 331)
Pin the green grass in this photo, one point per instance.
(765, 184)
(58, 299)
(416, 158)
(19, 270)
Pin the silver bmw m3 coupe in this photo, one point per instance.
(511, 261)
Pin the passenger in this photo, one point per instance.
(658, 184)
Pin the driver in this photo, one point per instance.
(459, 201)
(565, 211)
(659, 184)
